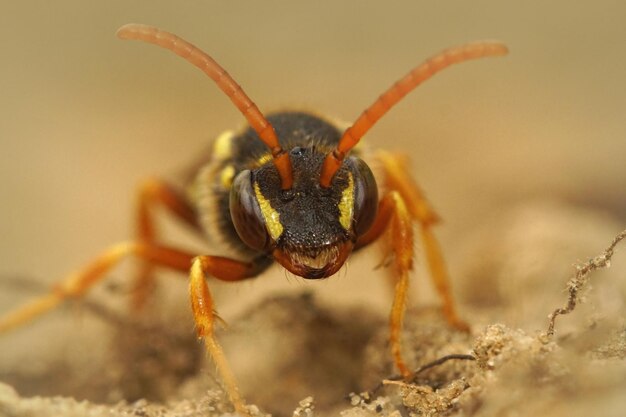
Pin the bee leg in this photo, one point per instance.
(151, 193)
(394, 215)
(397, 178)
(204, 312)
(75, 285)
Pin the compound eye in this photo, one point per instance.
(246, 212)
(365, 196)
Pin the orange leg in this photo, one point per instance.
(151, 193)
(403, 204)
(78, 283)
(224, 269)
(393, 213)
(204, 313)
(396, 178)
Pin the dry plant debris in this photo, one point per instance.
(580, 280)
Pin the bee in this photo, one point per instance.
(292, 188)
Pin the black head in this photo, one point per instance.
(307, 212)
(309, 229)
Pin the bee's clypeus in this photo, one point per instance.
(290, 188)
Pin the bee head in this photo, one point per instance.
(309, 229)
(307, 208)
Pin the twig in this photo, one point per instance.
(581, 279)
(413, 376)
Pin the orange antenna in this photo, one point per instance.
(224, 81)
(393, 95)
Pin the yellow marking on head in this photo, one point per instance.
(271, 216)
(222, 147)
(226, 176)
(346, 205)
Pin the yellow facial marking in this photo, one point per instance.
(222, 145)
(271, 216)
(226, 176)
(346, 205)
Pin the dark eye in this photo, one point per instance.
(365, 196)
(246, 213)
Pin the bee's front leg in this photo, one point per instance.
(204, 312)
(398, 178)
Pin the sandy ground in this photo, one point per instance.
(296, 355)
(522, 156)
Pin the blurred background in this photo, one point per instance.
(84, 116)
